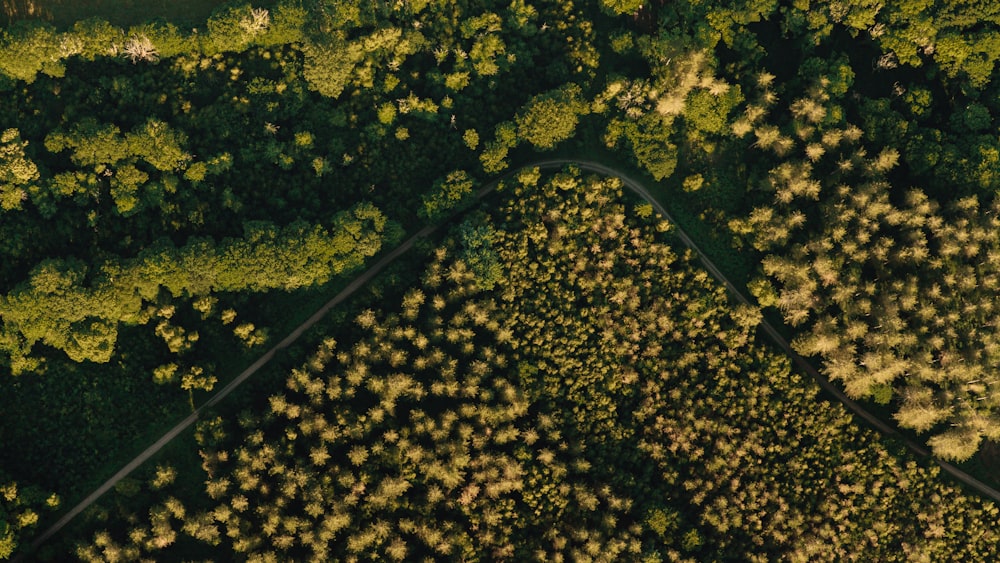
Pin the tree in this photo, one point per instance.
(28, 48)
(158, 144)
(329, 66)
(288, 20)
(956, 444)
(160, 40)
(708, 113)
(140, 48)
(17, 172)
(551, 117)
(97, 38)
(920, 411)
(234, 27)
(93, 144)
(60, 307)
(479, 254)
(19, 512)
(649, 140)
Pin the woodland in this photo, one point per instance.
(553, 377)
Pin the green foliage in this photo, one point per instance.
(165, 374)
(17, 172)
(19, 513)
(125, 188)
(551, 117)
(471, 138)
(974, 119)
(329, 67)
(959, 36)
(448, 194)
(206, 172)
(111, 155)
(603, 400)
(488, 46)
(27, 49)
(476, 239)
(59, 310)
(90, 340)
(835, 77)
(708, 113)
(693, 183)
(168, 40)
(233, 27)
(494, 157)
(287, 25)
(97, 145)
(92, 143)
(96, 37)
(620, 7)
(649, 141)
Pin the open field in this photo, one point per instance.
(63, 13)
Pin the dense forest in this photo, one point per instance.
(567, 412)
(561, 379)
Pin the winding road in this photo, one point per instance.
(775, 336)
(629, 183)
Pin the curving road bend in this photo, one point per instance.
(773, 334)
(629, 183)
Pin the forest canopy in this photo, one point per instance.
(561, 414)
(549, 375)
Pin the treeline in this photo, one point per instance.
(224, 152)
(68, 308)
(30, 48)
(115, 156)
(564, 414)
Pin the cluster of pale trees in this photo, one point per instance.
(892, 290)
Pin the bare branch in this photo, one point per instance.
(140, 48)
(257, 22)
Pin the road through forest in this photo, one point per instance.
(183, 425)
(774, 335)
(364, 278)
